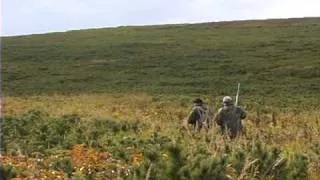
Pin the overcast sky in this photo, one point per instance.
(41, 16)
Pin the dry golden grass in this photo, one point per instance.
(291, 131)
(293, 128)
(118, 106)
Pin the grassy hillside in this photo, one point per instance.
(109, 103)
(272, 59)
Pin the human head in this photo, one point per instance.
(227, 100)
(198, 101)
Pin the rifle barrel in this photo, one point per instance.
(237, 96)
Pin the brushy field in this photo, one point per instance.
(109, 103)
(107, 136)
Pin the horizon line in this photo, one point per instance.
(156, 24)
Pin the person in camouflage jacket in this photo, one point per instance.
(197, 116)
(229, 118)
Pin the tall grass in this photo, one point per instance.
(283, 145)
(109, 103)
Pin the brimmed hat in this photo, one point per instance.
(198, 101)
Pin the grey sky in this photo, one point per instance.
(41, 16)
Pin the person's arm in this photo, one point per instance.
(217, 118)
(192, 116)
(243, 113)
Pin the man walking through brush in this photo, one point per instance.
(198, 115)
(229, 118)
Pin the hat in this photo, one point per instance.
(198, 101)
(227, 99)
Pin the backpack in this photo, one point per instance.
(204, 119)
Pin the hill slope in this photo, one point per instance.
(271, 58)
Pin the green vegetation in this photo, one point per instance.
(109, 103)
(274, 59)
(152, 153)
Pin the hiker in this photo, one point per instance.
(229, 118)
(198, 115)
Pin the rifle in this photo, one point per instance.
(237, 96)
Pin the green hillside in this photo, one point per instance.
(111, 103)
(271, 59)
